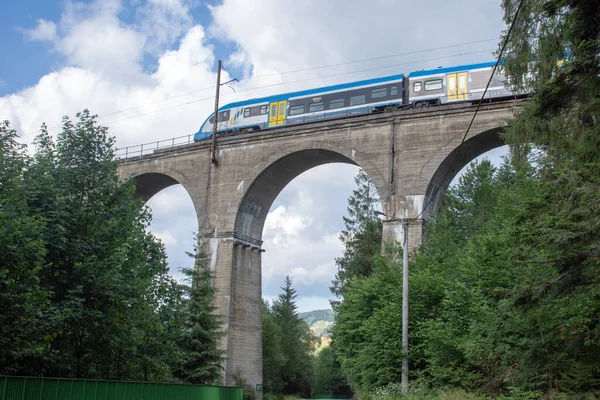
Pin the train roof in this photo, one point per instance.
(458, 68)
(308, 92)
(285, 96)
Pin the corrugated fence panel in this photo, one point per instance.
(30, 388)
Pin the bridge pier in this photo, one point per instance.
(411, 156)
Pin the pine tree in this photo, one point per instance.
(202, 327)
(272, 352)
(361, 236)
(296, 341)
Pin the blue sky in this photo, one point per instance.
(147, 67)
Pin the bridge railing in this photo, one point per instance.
(148, 148)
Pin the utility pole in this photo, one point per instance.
(405, 224)
(213, 144)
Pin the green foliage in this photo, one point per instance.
(328, 377)
(272, 352)
(505, 295)
(23, 300)
(361, 236)
(202, 327)
(288, 365)
(84, 289)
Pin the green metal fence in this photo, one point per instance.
(29, 388)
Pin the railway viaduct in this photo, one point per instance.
(408, 154)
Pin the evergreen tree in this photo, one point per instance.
(272, 353)
(202, 327)
(361, 236)
(296, 343)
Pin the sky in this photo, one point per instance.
(148, 69)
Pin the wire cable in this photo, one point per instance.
(475, 113)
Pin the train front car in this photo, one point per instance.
(455, 84)
(205, 130)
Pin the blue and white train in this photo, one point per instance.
(436, 86)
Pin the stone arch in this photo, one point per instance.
(149, 184)
(264, 189)
(454, 162)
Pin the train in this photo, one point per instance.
(464, 83)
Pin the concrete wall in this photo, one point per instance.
(406, 154)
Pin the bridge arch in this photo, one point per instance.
(454, 162)
(264, 189)
(149, 184)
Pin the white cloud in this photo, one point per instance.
(273, 37)
(163, 22)
(44, 31)
(104, 71)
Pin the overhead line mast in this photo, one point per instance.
(213, 143)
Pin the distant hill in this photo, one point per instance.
(319, 321)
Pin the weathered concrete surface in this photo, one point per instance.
(406, 154)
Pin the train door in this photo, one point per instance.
(457, 87)
(277, 111)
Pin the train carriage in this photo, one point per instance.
(304, 106)
(436, 86)
(454, 84)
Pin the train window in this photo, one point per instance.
(339, 103)
(282, 108)
(224, 116)
(417, 87)
(356, 100)
(212, 119)
(377, 93)
(273, 110)
(394, 91)
(314, 107)
(435, 84)
(295, 110)
(263, 109)
(246, 112)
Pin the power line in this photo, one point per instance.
(475, 113)
(375, 58)
(285, 73)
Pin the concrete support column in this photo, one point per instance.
(400, 208)
(237, 268)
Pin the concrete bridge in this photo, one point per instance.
(406, 153)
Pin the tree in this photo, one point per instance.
(272, 353)
(296, 342)
(85, 290)
(328, 377)
(361, 236)
(23, 300)
(202, 327)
